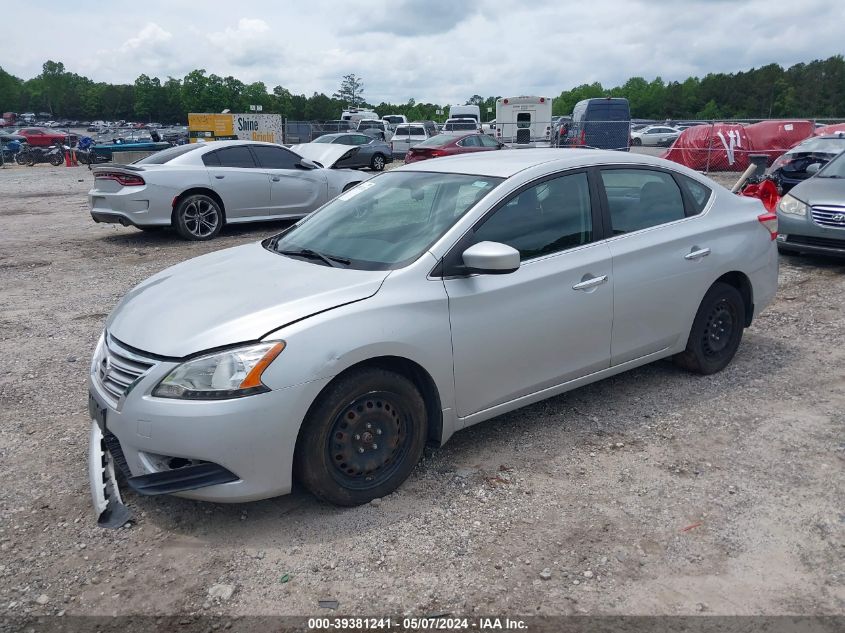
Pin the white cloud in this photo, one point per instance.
(437, 50)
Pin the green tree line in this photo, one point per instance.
(814, 89)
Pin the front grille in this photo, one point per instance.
(830, 216)
(118, 368)
(523, 136)
(816, 241)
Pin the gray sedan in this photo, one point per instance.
(418, 303)
(372, 152)
(812, 215)
(198, 188)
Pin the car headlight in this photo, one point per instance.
(232, 373)
(792, 206)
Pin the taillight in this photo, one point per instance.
(437, 152)
(770, 222)
(583, 137)
(126, 180)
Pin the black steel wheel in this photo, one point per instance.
(716, 331)
(362, 437)
(198, 218)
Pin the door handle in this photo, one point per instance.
(275, 178)
(219, 177)
(697, 254)
(592, 282)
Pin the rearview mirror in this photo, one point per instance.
(813, 169)
(491, 258)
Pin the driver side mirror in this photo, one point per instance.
(307, 164)
(491, 258)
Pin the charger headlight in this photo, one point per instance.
(232, 373)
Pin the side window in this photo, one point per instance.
(362, 139)
(469, 141)
(211, 159)
(699, 194)
(641, 198)
(275, 157)
(486, 141)
(547, 218)
(238, 156)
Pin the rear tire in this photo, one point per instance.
(716, 331)
(56, 160)
(362, 437)
(198, 218)
(377, 163)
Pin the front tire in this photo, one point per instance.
(716, 331)
(362, 437)
(377, 163)
(198, 218)
(636, 142)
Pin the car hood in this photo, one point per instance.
(327, 154)
(231, 296)
(821, 191)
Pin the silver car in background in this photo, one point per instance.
(198, 188)
(812, 215)
(421, 302)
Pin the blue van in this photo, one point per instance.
(603, 123)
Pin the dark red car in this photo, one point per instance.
(450, 144)
(41, 137)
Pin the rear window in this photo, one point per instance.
(410, 131)
(460, 126)
(166, 155)
(437, 141)
(370, 125)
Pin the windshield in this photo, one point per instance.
(324, 139)
(166, 155)
(392, 118)
(834, 169)
(386, 222)
(826, 145)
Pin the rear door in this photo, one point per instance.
(293, 191)
(664, 258)
(238, 180)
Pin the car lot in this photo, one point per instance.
(657, 491)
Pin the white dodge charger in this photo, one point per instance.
(198, 188)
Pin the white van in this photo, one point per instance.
(465, 112)
(406, 136)
(355, 115)
(524, 120)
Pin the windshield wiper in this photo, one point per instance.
(307, 252)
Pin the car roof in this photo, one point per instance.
(509, 163)
(210, 145)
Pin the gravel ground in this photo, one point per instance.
(654, 492)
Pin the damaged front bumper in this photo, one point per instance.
(108, 504)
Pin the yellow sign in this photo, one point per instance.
(254, 127)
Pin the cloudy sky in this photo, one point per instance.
(440, 51)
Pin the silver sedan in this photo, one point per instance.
(198, 188)
(421, 302)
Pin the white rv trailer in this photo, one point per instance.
(524, 120)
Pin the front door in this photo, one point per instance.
(550, 321)
(293, 191)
